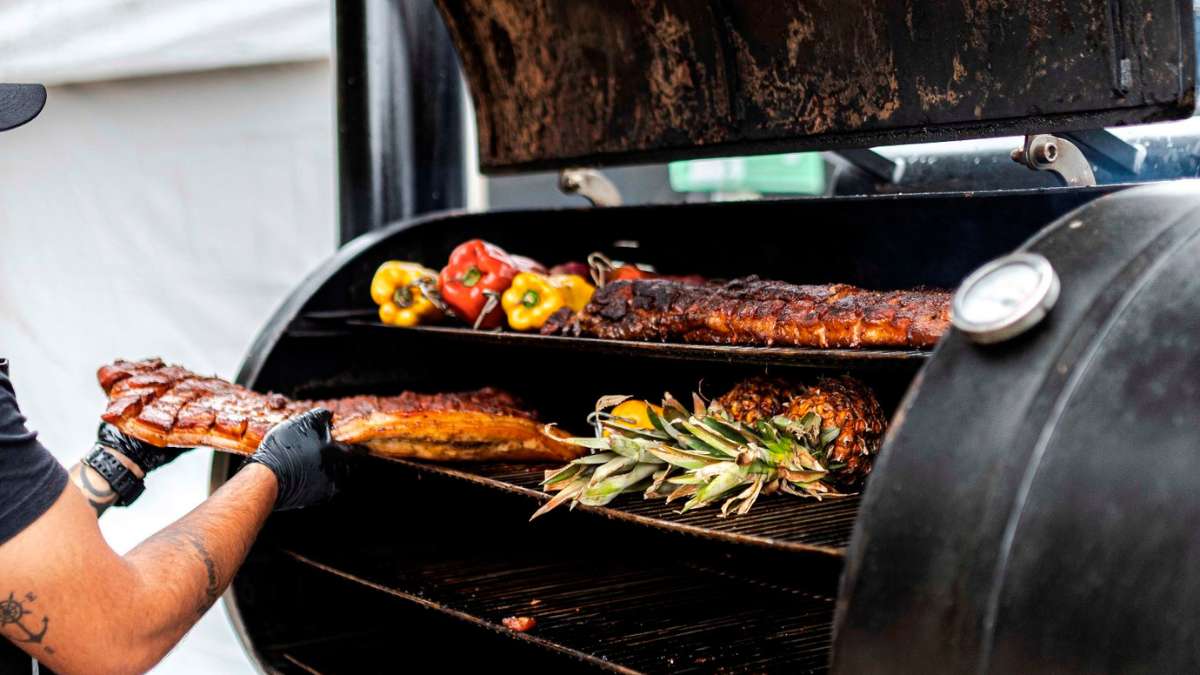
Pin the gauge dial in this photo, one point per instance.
(1005, 297)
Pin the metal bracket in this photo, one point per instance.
(591, 185)
(874, 164)
(1043, 152)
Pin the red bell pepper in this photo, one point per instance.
(622, 272)
(477, 274)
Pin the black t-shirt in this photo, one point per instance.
(30, 478)
(30, 481)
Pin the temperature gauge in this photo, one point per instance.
(1005, 297)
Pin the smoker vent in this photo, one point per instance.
(777, 521)
(618, 616)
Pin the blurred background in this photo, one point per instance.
(178, 183)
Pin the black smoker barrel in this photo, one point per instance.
(1036, 503)
(1032, 508)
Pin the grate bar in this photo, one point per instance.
(621, 616)
(778, 521)
(362, 320)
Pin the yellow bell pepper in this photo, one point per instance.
(531, 299)
(635, 410)
(579, 291)
(401, 301)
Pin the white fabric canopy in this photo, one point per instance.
(63, 41)
(151, 210)
(159, 216)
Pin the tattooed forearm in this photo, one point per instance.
(193, 542)
(13, 612)
(94, 488)
(212, 589)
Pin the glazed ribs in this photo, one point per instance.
(751, 311)
(168, 405)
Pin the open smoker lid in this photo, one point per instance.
(591, 82)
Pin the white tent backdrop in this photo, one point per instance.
(57, 41)
(165, 215)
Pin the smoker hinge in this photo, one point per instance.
(1043, 152)
(591, 185)
(1109, 150)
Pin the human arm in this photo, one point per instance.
(92, 486)
(93, 611)
(137, 457)
(85, 609)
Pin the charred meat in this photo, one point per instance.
(751, 311)
(169, 405)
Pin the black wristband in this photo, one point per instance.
(147, 457)
(120, 478)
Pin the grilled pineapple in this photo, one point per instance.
(842, 402)
(762, 436)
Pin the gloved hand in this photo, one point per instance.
(146, 456)
(304, 458)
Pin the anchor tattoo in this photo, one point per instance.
(12, 611)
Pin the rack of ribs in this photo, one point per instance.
(751, 311)
(167, 405)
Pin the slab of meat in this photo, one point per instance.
(169, 405)
(752, 311)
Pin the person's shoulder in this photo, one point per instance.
(12, 422)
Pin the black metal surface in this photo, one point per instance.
(779, 522)
(375, 649)
(399, 113)
(1053, 524)
(618, 616)
(875, 165)
(593, 82)
(437, 110)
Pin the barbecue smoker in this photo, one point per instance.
(1034, 504)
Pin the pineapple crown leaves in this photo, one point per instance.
(702, 454)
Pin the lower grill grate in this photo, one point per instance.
(614, 615)
(777, 521)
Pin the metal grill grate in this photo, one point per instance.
(617, 615)
(363, 320)
(777, 521)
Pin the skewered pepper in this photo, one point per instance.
(579, 291)
(531, 300)
(471, 283)
(624, 271)
(396, 288)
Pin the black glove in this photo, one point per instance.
(304, 458)
(146, 456)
